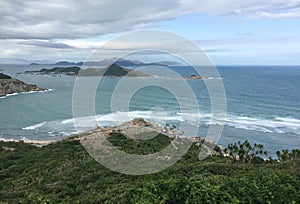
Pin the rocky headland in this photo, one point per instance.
(10, 85)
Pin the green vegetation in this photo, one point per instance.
(245, 152)
(285, 155)
(64, 172)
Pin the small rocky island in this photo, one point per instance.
(196, 77)
(9, 85)
(113, 70)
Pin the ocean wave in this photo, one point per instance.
(29, 92)
(33, 127)
(279, 125)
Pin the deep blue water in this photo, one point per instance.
(263, 105)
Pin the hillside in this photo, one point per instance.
(65, 172)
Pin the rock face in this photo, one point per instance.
(9, 85)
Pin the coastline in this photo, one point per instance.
(65, 172)
(129, 129)
(33, 142)
(26, 92)
(11, 86)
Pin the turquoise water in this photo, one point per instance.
(263, 105)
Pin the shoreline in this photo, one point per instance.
(26, 92)
(33, 142)
(130, 128)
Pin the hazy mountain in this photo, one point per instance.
(13, 61)
(112, 70)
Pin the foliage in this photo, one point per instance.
(64, 172)
(245, 152)
(285, 155)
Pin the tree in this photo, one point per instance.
(244, 152)
(285, 155)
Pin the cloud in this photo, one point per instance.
(232, 41)
(245, 8)
(294, 13)
(53, 19)
(72, 29)
(82, 43)
(45, 43)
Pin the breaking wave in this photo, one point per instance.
(279, 125)
(29, 92)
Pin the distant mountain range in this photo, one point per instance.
(112, 70)
(22, 61)
(107, 62)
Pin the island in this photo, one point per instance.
(196, 77)
(9, 85)
(106, 62)
(112, 70)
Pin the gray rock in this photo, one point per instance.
(9, 85)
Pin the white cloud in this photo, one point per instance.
(82, 43)
(247, 8)
(45, 43)
(68, 19)
(294, 13)
(79, 19)
(55, 29)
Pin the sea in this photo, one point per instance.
(263, 106)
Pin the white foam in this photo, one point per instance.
(29, 92)
(279, 125)
(33, 127)
(127, 116)
(8, 140)
(71, 120)
(291, 120)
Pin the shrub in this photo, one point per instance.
(244, 152)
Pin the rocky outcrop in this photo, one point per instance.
(196, 77)
(9, 85)
(4, 76)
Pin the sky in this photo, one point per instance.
(231, 32)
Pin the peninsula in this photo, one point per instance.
(9, 85)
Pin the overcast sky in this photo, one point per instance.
(230, 31)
